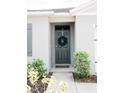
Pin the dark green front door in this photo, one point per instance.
(62, 44)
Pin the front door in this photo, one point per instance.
(62, 44)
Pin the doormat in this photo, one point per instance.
(62, 66)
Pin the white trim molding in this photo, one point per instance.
(62, 19)
(45, 13)
(85, 8)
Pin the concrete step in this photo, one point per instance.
(62, 70)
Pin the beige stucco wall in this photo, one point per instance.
(84, 36)
(40, 39)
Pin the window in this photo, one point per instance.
(29, 39)
(62, 27)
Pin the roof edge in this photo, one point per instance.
(84, 6)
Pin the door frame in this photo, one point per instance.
(52, 40)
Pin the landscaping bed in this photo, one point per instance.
(82, 68)
(37, 76)
(90, 79)
(41, 87)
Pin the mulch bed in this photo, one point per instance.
(91, 79)
(40, 86)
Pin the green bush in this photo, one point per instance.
(39, 66)
(81, 64)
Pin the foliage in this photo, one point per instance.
(33, 76)
(39, 66)
(35, 71)
(28, 89)
(82, 64)
(48, 81)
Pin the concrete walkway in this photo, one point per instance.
(67, 77)
(86, 87)
(73, 87)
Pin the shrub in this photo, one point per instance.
(35, 70)
(38, 66)
(33, 76)
(81, 64)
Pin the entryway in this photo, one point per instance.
(62, 44)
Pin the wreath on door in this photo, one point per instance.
(62, 41)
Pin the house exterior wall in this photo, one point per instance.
(40, 39)
(84, 37)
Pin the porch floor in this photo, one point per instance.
(70, 69)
